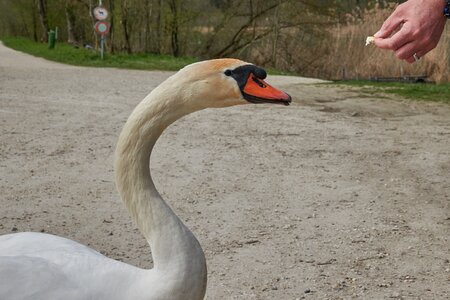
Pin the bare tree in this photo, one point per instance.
(158, 30)
(246, 33)
(174, 34)
(72, 35)
(42, 9)
(112, 26)
(125, 25)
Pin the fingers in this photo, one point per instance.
(396, 41)
(390, 25)
(407, 41)
(407, 51)
(410, 60)
(414, 58)
(408, 55)
(414, 27)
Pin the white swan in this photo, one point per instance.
(42, 266)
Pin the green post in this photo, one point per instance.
(51, 39)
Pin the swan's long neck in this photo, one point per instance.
(177, 255)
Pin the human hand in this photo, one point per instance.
(413, 29)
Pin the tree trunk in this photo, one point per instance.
(35, 26)
(147, 36)
(72, 36)
(276, 35)
(111, 26)
(42, 8)
(159, 29)
(174, 28)
(124, 22)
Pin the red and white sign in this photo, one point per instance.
(102, 27)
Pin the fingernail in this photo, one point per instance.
(377, 34)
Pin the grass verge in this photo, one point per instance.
(68, 54)
(415, 91)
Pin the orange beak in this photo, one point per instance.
(257, 90)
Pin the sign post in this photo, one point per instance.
(101, 26)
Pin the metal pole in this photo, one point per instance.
(102, 43)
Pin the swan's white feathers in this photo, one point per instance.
(52, 267)
(38, 279)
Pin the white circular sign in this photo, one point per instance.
(100, 13)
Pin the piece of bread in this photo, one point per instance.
(370, 40)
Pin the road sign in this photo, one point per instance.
(102, 27)
(100, 13)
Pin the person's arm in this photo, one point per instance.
(414, 28)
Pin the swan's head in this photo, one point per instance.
(226, 82)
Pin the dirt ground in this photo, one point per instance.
(341, 195)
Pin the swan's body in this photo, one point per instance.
(42, 266)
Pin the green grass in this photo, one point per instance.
(415, 91)
(68, 54)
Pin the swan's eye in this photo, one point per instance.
(228, 72)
